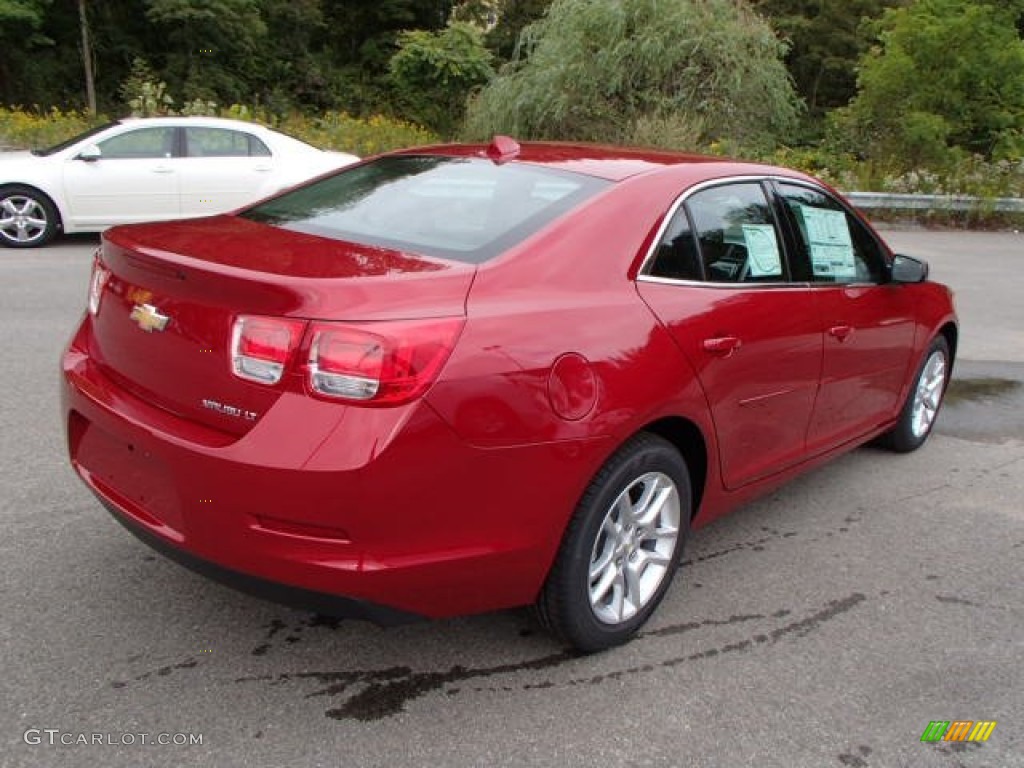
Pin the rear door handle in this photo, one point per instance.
(841, 332)
(722, 346)
(263, 168)
(163, 169)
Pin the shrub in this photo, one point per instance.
(610, 70)
(360, 136)
(23, 129)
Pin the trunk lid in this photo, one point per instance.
(202, 274)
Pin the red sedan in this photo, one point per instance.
(465, 378)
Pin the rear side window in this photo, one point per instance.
(837, 247)
(222, 142)
(736, 234)
(677, 257)
(466, 209)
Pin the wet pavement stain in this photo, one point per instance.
(973, 390)
(385, 692)
(858, 760)
(276, 627)
(797, 628)
(164, 671)
(955, 600)
(771, 536)
(690, 626)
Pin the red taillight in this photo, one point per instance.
(97, 282)
(261, 346)
(383, 363)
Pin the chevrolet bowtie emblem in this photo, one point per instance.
(148, 318)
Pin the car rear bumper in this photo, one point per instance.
(295, 597)
(382, 513)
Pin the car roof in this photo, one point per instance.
(601, 160)
(218, 122)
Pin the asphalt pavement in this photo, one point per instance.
(825, 625)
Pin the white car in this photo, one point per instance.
(148, 169)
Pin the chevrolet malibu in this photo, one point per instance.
(148, 169)
(465, 378)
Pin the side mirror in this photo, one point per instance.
(907, 269)
(90, 154)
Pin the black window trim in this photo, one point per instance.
(771, 197)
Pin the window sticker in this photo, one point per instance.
(762, 250)
(828, 236)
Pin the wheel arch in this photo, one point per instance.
(689, 441)
(42, 192)
(952, 335)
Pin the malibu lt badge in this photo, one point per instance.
(229, 410)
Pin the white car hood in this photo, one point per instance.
(17, 162)
(14, 154)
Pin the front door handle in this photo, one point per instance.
(841, 332)
(722, 346)
(163, 169)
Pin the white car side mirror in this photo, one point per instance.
(90, 154)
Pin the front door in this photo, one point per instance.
(134, 179)
(867, 323)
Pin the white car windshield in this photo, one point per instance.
(74, 140)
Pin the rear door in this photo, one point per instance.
(721, 284)
(224, 169)
(135, 179)
(867, 323)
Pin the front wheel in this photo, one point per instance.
(621, 548)
(923, 401)
(27, 217)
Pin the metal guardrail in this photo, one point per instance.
(887, 201)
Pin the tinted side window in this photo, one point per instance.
(736, 234)
(677, 257)
(837, 246)
(141, 144)
(221, 142)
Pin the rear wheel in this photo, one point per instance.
(27, 217)
(923, 401)
(622, 547)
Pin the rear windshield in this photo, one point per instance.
(467, 209)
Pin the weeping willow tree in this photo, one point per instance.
(671, 73)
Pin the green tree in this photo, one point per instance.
(947, 76)
(21, 23)
(513, 17)
(209, 45)
(827, 38)
(434, 72)
(483, 13)
(359, 41)
(667, 72)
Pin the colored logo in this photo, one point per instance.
(958, 730)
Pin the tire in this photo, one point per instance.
(28, 218)
(633, 563)
(917, 417)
